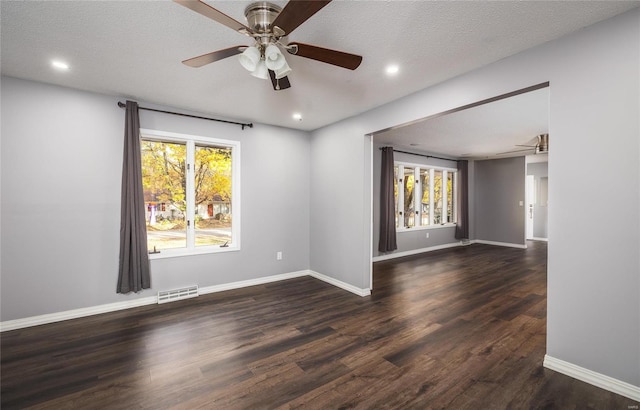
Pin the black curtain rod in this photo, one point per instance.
(422, 155)
(250, 125)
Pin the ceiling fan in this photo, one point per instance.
(269, 25)
(541, 146)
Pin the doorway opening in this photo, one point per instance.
(537, 190)
(496, 137)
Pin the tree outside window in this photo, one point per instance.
(426, 198)
(188, 190)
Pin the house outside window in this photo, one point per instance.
(425, 196)
(191, 190)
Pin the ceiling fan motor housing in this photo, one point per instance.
(542, 146)
(260, 17)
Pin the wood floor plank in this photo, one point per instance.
(460, 328)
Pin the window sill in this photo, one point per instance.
(425, 228)
(205, 250)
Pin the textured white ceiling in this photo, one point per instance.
(486, 131)
(133, 49)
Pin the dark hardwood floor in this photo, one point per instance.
(459, 329)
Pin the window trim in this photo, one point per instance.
(431, 169)
(191, 141)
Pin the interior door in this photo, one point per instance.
(530, 201)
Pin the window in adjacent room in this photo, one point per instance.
(191, 191)
(425, 196)
(425, 210)
(438, 202)
(451, 193)
(409, 184)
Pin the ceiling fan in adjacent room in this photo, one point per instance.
(269, 25)
(541, 146)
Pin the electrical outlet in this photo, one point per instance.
(279, 256)
(427, 235)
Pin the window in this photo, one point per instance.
(191, 192)
(425, 209)
(438, 203)
(451, 193)
(425, 196)
(409, 209)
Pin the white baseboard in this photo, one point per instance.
(340, 284)
(252, 282)
(75, 313)
(508, 245)
(444, 246)
(415, 251)
(538, 239)
(112, 307)
(588, 376)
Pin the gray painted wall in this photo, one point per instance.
(340, 219)
(499, 189)
(593, 281)
(412, 239)
(472, 199)
(539, 170)
(61, 170)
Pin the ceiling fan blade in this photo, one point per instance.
(213, 57)
(279, 84)
(297, 12)
(511, 152)
(339, 58)
(214, 14)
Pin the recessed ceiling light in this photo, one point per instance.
(297, 116)
(60, 65)
(392, 69)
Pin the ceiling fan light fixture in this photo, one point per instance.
(282, 71)
(274, 58)
(250, 59)
(261, 71)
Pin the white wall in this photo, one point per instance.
(593, 266)
(61, 171)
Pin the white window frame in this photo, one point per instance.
(191, 141)
(417, 195)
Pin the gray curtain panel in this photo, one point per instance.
(462, 225)
(387, 241)
(134, 272)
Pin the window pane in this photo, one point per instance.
(450, 204)
(395, 192)
(212, 184)
(424, 178)
(409, 209)
(163, 182)
(437, 197)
